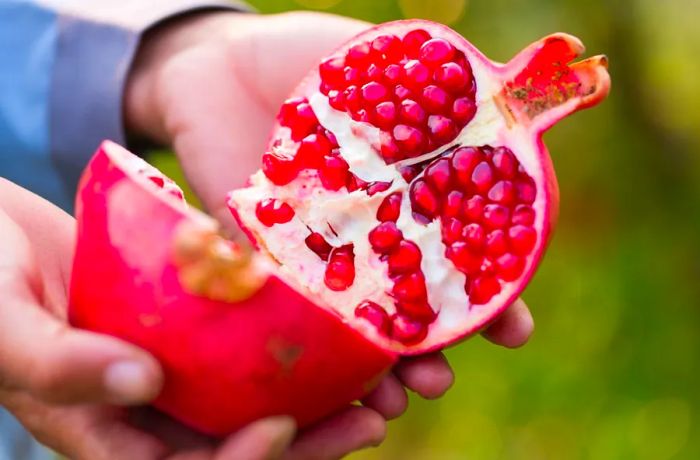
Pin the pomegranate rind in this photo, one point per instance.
(225, 363)
(502, 119)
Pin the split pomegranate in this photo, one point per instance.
(439, 181)
(405, 200)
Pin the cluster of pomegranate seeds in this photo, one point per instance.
(403, 258)
(317, 149)
(484, 199)
(271, 211)
(418, 90)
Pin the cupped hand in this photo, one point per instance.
(210, 86)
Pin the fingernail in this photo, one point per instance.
(128, 382)
(285, 430)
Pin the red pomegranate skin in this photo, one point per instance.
(225, 364)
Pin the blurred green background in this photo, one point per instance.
(612, 370)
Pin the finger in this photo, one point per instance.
(353, 429)
(430, 375)
(513, 328)
(84, 432)
(389, 398)
(262, 440)
(41, 354)
(170, 432)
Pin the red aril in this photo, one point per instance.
(404, 202)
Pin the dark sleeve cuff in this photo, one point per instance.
(94, 53)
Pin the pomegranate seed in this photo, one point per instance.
(463, 110)
(482, 289)
(388, 46)
(408, 331)
(352, 98)
(333, 172)
(413, 41)
(377, 187)
(502, 192)
(301, 123)
(288, 111)
(451, 230)
(504, 162)
(526, 191)
(408, 138)
(464, 258)
(404, 259)
(374, 72)
(388, 148)
(496, 243)
(474, 208)
(423, 199)
(496, 216)
(312, 150)
(359, 55)
(438, 174)
(362, 115)
(401, 93)
(158, 181)
(417, 74)
(523, 215)
(474, 235)
(435, 99)
(522, 239)
(393, 74)
(355, 183)
(375, 314)
(385, 114)
(409, 172)
(271, 211)
(420, 311)
(410, 288)
(340, 271)
(510, 267)
(318, 244)
(412, 113)
(281, 170)
(452, 77)
(374, 92)
(390, 208)
(463, 162)
(336, 99)
(482, 177)
(331, 70)
(436, 51)
(442, 129)
(385, 237)
(176, 192)
(453, 204)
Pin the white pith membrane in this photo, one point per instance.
(344, 217)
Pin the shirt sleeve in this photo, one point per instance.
(63, 66)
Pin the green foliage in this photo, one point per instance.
(612, 370)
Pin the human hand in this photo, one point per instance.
(210, 85)
(63, 384)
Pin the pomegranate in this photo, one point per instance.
(404, 201)
(423, 160)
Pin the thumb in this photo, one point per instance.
(265, 439)
(41, 355)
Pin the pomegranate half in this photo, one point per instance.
(406, 186)
(405, 200)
